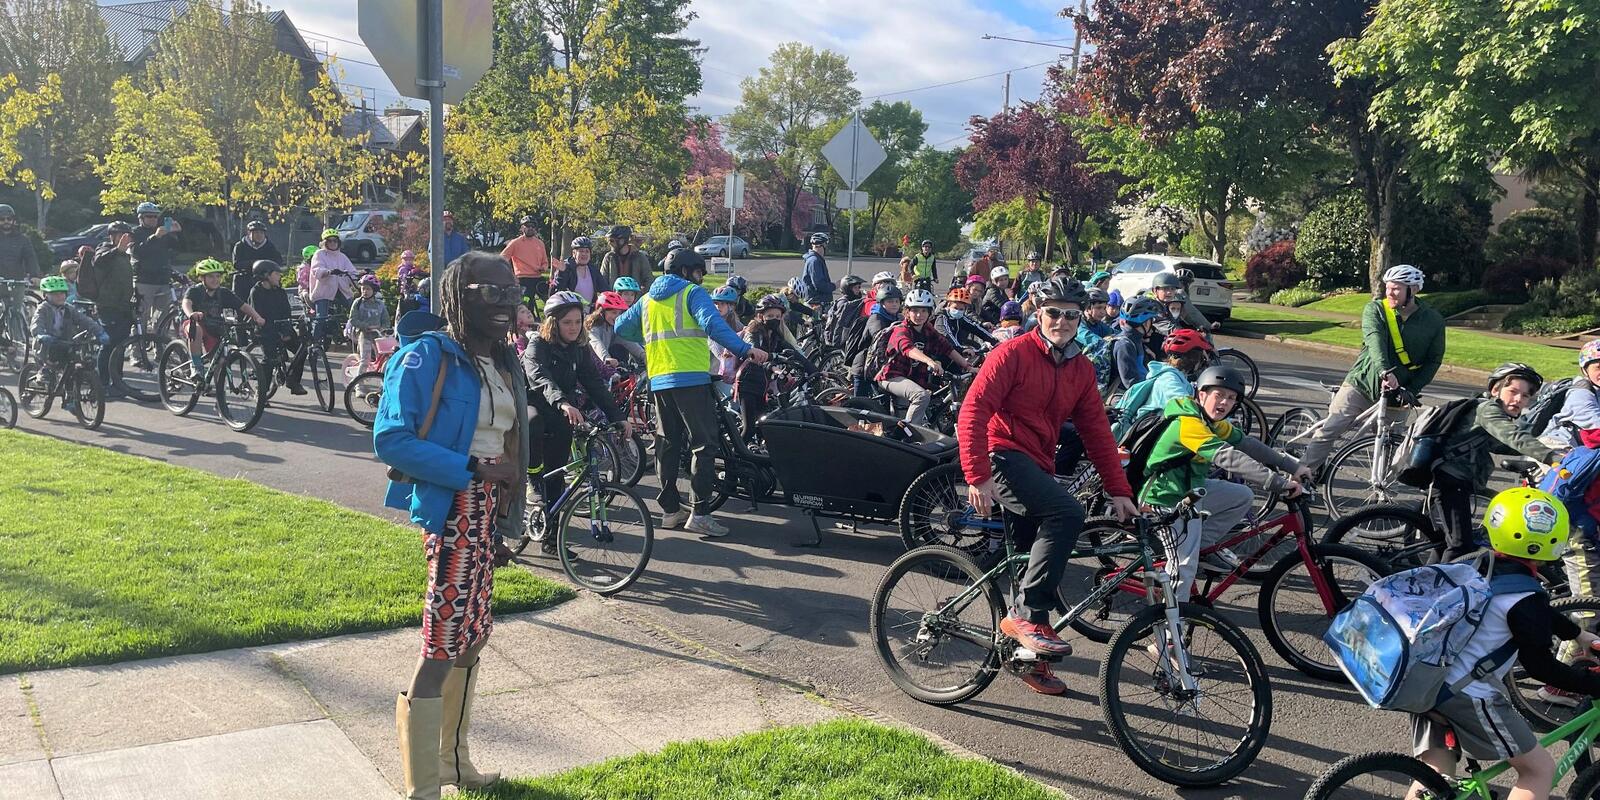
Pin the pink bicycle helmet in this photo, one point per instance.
(612, 300)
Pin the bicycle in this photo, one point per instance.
(317, 361)
(1242, 364)
(609, 546)
(15, 322)
(364, 391)
(8, 409)
(1196, 659)
(142, 349)
(1362, 472)
(76, 380)
(230, 374)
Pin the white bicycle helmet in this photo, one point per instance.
(919, 298)
(561, 300)
(883, 277)
(1406, 274)
(999, 272)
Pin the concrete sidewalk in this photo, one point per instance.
(563, 687)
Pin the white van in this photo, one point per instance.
(359, 232)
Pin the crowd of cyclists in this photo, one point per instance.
(1036, 373)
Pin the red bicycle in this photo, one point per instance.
(1297, 602)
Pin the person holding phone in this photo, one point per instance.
(154, 252)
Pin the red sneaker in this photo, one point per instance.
(1039, 638)
(1042, 680)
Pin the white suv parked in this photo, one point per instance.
(359, 231)
(1211, 292)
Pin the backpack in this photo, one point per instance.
(1397, 641)
(877, 353)
(1099, 355)
(1140, 442)
(1571, 478)
(1545, 404)
(854, 338)
(1132, 400)
(1425, 441)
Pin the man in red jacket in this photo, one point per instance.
(1009, 426)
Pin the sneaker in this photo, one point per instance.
(1038, 637)
(295, 388)
(674, 519)
(1042, 680)
(1558, 697)
(705, 525)
(1221, 561)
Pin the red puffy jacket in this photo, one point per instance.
(1019, 401)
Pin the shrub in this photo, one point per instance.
(1273, 268)
(1333, 246)
(1552, 326)
(1449, 304)
(1445, 239)
(1533, 233)
(1296, 296)
(1512, 279)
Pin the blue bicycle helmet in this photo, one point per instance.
(797, 285)
(725, 294)
(626, 284)
(1142, 309)
(738, 283)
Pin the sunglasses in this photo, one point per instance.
(497, 294)
(1070, 314)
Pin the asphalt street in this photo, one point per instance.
(802, 614)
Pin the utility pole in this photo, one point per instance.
(432, 25)
(1077, 36)
(1007, 106)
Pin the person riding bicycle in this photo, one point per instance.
(409, 277)
(1578, 420)
(562, 383)
(1164, 288)
(255, 246)
(1097, 318)
(724, 362)
(1032, 273)
(1468, 455)
(767, 332)
(924, 266)
(845, 310)
(886, 311)
(816, 287)
(743, 307)
(1010, 421)
(956, 323)
(799, 315)
(1130, 346)
(1187, 354)
(1402, 346)
(1190, 316)
(18, 261)
(610, 348)
(278, 334)
(154, 252)
(1010, 321)
(1197, 438)
(914, 353)
(579, 273)
(202, 308)
(369, 315)
(55, 323)
(108, 281)
(333, 280)
(998, 294)
(628, 288)
(1526, 527)
(303, 277)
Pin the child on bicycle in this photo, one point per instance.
(602, 325)
(725, 362)
(55, 323)
(1526, 526)
(766, 331)
(278, 335)
(1187, 353)
(203, 306)
(368, 317)
(1198, 437)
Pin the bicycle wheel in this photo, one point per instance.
(362, 395)
(1548, 710)
(170, 326)
(606, 547)
(89, 397)
(936, 654)
(322, 378)
(1082, 576)
(16, 339)
(935, 511)
(1399, 535)
(1198, 738)
(1242, 364)
(1288, 432)
(8, 408)
(1587, 785)
(32, 394)
(1371, 776)
(1348, 485)
(179, 390)
(1294, 616)
(240, 394)
(630, 458)
(134, 370)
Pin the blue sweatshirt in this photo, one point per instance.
(1165, 382)
(630, 326)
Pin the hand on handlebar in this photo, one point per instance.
(1124, 508)
(936, 368)
(574, 416)
(1302, 475)
(758, 355)
(197, 316)
(1293, 489)
(1390, 382)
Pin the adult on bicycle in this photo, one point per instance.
(816, 287)
(562, 383)
(278, 335)
(202, 309)
(674, 320)
(108, 280)
(155, 254)
(1010, 422)
(924, 266)
(333, 278)
(1402, 346)
(18, 262)
(1190, 316)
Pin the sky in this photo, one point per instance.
(892, 45)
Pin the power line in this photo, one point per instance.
(963, 80)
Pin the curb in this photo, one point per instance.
(1444, 369)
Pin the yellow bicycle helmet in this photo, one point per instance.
(209, 266)
(1527, 523)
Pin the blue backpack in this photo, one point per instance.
(1571, 477)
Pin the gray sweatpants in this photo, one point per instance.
(156, 298)
(1348, 404)
(916, 397)
(1228, 503)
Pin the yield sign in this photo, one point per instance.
(853, 153)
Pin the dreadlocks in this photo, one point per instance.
(453, 309)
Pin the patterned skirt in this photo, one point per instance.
(456, 614)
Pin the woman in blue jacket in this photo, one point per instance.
(458, 479)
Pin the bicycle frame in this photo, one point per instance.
(1585, 725)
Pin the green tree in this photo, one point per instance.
(938, 204)
(66, 39)
(1333, 245)
(161, 150)
(1022, 219)
(780, 109)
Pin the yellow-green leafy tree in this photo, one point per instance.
(161, 151)
(24, 115)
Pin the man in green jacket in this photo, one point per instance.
(1384, 364)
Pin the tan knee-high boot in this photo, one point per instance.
(417, 720)
(455, 761)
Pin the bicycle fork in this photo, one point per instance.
(1170, 651)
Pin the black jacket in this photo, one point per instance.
(17, 258)
(566, 279)
(245, 256)
(153, 255)
(989, 308)
(557, 372)
(108, 281)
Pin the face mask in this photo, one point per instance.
(956, 313)
(772, 324)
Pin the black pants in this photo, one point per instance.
(550, 444)
(274, 345)
(534, 287)
(1455, 505)
(1044, 519)
(752, 382)
(686, 416)
(1069, 450)
(117, 330)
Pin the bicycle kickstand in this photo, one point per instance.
(816, 530)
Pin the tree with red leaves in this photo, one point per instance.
(1034, 153)
(709, 163)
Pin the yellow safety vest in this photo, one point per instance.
(673, 338)
(1394, 336)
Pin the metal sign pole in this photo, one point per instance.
(431, 13)
(855, 145)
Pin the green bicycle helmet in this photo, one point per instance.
(329, 233)
(54, 283)
(308, 251)
(209, 266)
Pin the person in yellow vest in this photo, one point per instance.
(677, 321)
(1402, 345)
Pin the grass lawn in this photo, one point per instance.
(1463, 348)
(109, 557)
(844, 759)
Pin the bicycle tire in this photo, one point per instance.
(1405, 769)
(931, 509)
(1248, 417)
(1244, 365)
(577, 553)
(136, 382)
(322, 378)
(1412, 528)
(949, 571)
(240, 398)
(1544, 716)
(362, 395)
(16, 336)
(1290, 575)
(1099, 622)
(169, 326)
(1347, 485)
(8, 409)
(1587, 785)
(35, 404)
(1290, 424)
(631, 453)
(84, 385)
(1159, 761)
(179, 390)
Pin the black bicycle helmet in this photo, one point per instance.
(1062, 290)
(119, 227)
(772, 301)
(1515, 369)
(681, 262)
(1097, 296)
(889, 293)
(620, 232)
(818, 238)
(851, 280)
(1220, 377)
(1166, 280)
(583, 243)
(265, 267)
(1185, 276)
(255, 225)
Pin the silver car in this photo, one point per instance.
(718, 246)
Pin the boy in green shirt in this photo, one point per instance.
(1197, 438)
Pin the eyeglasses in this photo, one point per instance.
(497, 294)
(1054, 313)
